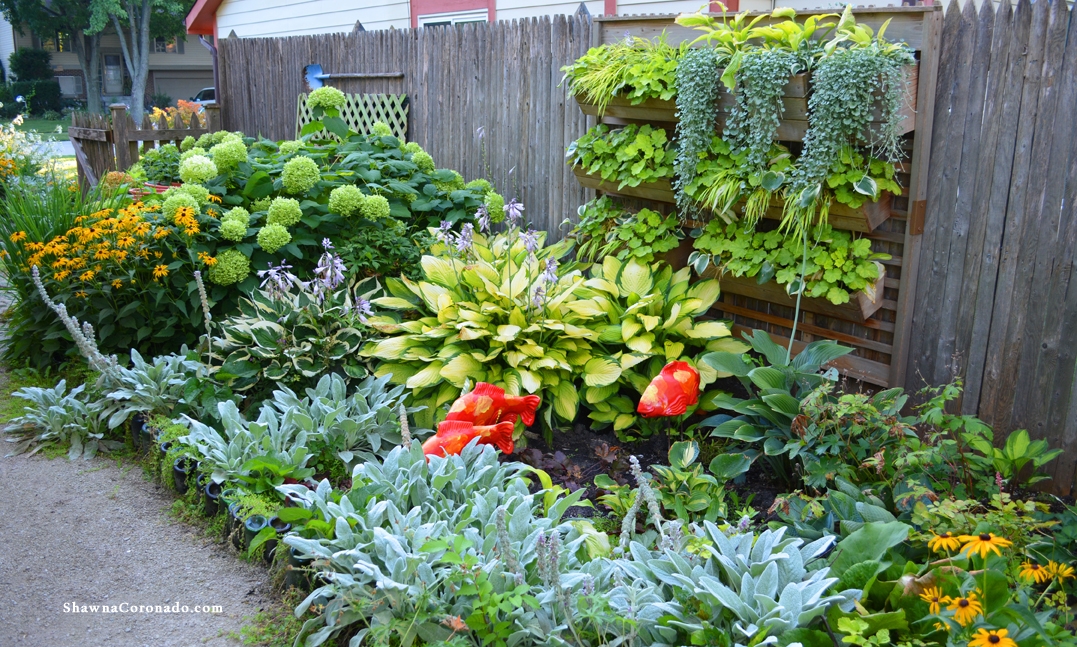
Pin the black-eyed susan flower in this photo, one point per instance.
(992, 638)
(17, 236)
(1058, 571)
(1033, 572)
(62, 274)
(160, 271)
(946, 542)
(117, 283)
(934, 598)
(81, 294)
(214, 198)
(983, 544)
(965, 609)
(87, 275)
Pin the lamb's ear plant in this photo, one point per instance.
(56, 415)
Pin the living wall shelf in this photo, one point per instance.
(878, 329)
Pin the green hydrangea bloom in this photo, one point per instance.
(375, 207)
(495, 206)
(234, 230)
(284, 211)
(423, 160)
(455, 184)
(205, 141)
(261, 205)
(412, 147)
(289, 147)
(197, 169)
(228, 154)
(346, 200)
(300, 174)
(238, 214)
(273, 237)
(382, 129)
(232, 266)
(191, 152)
(175, 201)
(187, 143)
(481, 185)
(325, 97)
(196, 191)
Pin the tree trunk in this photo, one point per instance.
(87, 49)
(135, 45)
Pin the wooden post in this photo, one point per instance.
(213, 117)
(119, 136)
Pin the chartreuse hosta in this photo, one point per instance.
(645, 317)
(495, 311)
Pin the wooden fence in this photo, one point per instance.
(996, 302)
(499, 79)
(106, 143)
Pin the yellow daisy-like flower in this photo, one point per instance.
(80, 294)
(1059, 571)
(941, 627)
(119, 255)
(143, 253)
(117, 283)
(944, 542)
(214, 198)
(157, 254)
(34, 247)
(17, 236)
(983, 543)
(934, 598)
(992, 638)
(160, 271)
(87, 275)
(3, 253)
(1033, 572)
(191, 230)
(61, 275)
(161, 233)
(211, 212)
(125, 241)
(965, 609)
(102, 254)
(142, 228)
(206, 259)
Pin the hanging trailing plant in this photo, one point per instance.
(857, 68)
(697, 112)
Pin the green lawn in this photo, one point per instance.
(46, 127)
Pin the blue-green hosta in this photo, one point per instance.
(293, 337)
(488, 314)
(645, 316)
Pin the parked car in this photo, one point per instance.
(204, 96)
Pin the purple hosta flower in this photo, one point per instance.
(444, 231)
(484, 218)
(998, 480)
(538, 298)
(530, 239)
(327, 244)
(549, 275)
(745, 523)
(363, 309)
(278, 280)
(328, 275)
(463, 239)
(481, 132)
(513, 211)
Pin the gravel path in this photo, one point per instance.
(86, 533)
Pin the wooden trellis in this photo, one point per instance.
(878, 332)
(362, 111)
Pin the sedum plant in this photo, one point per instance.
(631, 155)
(498, 309)
(647, 316)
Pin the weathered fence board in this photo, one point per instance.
(502, 77)
(996, 302)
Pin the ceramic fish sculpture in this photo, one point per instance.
(671, 392)
(486, 413)
(454, 435)
(488, 404)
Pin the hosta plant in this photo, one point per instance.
(497, 309)
(295, 335)
(646, 316)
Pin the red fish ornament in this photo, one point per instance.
(486, 413)
(454, 435)
(671, 392)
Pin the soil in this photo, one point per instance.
(91, 533)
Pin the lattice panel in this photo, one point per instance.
(361, 111)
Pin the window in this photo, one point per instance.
(70, 86)
(167, 46)
(58, 42)
(453, 18)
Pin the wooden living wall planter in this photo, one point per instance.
(658, 191)
(859, 309)
(792, 127)
(879, 331)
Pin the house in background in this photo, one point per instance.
(178, 68)
(269, 18)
